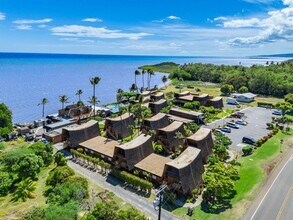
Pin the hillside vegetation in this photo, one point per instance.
(275, 79)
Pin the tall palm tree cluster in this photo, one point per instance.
(137, 73)
(94, 81)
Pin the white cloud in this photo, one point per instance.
(221, 18)
(27, 24)
(2, 16)
(172, 17)
(75, 39)
(241, 23)
(95, 32)
(42, 21)
(24, 27)
(92, 20)
(259, 1)
(169, 18)
(277, 25)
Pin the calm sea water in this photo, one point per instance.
(27, 78)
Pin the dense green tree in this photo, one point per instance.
(45, 151)
(67, 211)
(5, 120)
(60, 159)
(29, 165)
(68, 191)
(104, 211)
(219, 181)
(243, 89)
(59, 175)
(284, 107)
(37, 213)
(5, 183)
(130, 213)
(227, 89)
(136, 73)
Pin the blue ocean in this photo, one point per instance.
(27, 78)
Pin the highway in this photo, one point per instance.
(275, 201)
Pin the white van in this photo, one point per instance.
(232, 101)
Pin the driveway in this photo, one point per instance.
(257, 119)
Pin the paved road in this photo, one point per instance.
(257, 119)
(275, 201)
(112, 185)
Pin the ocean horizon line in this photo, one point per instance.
(81, 55)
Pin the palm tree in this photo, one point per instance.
(95, 81)
(43, 103)
(24, 190)
(164, 80)
(150, 73)
(142, 74)
(136, 73)
(93, 100)
(63, 99)
(79, 93)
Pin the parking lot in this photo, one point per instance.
(256, 117)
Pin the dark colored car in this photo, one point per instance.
(248, 140)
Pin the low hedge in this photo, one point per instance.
(265, 104)
(132, 180)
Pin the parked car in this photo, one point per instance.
(1, 139)
(218, 131)
(240, 122)
(232, 101)
(226, 129)
(232, 125)
(237, 115)
(248, 140)
(277, 112)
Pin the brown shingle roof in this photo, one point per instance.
(101, 145)
(172, 127)
(82, 126)
(156, 117)
(136, 142)
(185, 158)
(119, 118)
(154, 164)
(201, 134)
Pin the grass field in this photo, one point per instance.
(253, 172)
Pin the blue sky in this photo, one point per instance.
(165, 27)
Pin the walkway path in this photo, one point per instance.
(111, 184)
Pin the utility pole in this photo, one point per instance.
(160, 206)
(159, 196)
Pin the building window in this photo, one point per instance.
(154, 177)
(102, 156)
(92, 152)
(110, 159)
(86, 149)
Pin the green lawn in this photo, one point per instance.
(253, 172)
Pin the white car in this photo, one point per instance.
(277, 112)
(218, 131)
(240, 122)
